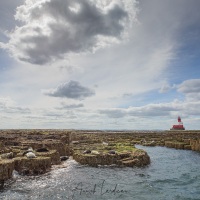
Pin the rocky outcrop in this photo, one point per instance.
(178, 145)
(139, 158)
(6, 169)
(49, 144)
(53, 154)
(122, 159)
(195, 144)
(95, 160)
(35, 166)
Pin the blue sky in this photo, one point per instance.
(99, 64)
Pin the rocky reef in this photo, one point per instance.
(6, 170)
(35, 166)
(33, 152)
(119, 154)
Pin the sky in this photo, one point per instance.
(99, 64)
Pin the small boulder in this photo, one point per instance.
(75, 142)
(42, 150)
(63, 158)
(112, 152)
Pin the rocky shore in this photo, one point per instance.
(33, 152)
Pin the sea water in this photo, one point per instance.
(172, 175)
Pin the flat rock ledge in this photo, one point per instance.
(6, 169)
(34, 166)
(53, 154)
(137, 158)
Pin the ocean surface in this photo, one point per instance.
(172, 175)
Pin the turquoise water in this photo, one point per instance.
(172, 175)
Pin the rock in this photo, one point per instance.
(112, 152)
(7, 155)
(87, 151)
(131, 162)
(6, 169)
(187, 147)
(34, 166)
(75, 142)
(1, 184)
(49, 144)
(42, 150)
(53, 154)
(63, 158)
(142, 158)
(127, 159)
(124, 155)
(30, 155)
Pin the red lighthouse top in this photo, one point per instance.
(178, 126)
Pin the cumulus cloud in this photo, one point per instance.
(71, 90)
(191, 88)
(150, 110)
(51, 29)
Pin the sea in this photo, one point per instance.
(172, 175)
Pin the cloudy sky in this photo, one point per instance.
(99, 64)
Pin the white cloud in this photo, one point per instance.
(149, 110)
(7, 105)
(190, 86)
(71, 90)
(54, 28)
(191, 89)
(126, 73)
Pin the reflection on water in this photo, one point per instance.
(172, 175)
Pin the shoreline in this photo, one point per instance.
(106, 148)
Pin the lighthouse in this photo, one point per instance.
(178, 126)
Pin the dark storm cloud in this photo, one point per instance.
(71, 90)
(7, 11)
(53, 29)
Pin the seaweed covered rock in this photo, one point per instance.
(139, 158)
(122, 155)
(53, 154)
(195, 144)
(33, 166)
(95, 160)
(6, 169)
(49, 144)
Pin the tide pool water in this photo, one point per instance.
(172, 175)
